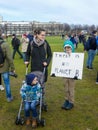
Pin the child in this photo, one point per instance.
(69, 83)
(30, 93)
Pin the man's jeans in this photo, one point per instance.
(18, 51)
(91, 55)
(7, 84)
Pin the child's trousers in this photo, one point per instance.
(30, 106)
(69, 89)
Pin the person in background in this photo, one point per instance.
(76, 39)
(97, 45)
(15, 44)
(30, 36)
(67, 37)
(72, 39)
(24, 45)
(92, 50)
(6, 67)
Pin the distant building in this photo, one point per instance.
(1, 19)
(20, 27)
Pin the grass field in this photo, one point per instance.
(83, 116)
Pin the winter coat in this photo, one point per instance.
(93, 43)
(30, 93)
(15, 43)
(39, 55)
(24, 44)
(8, 63)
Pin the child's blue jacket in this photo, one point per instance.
(30, 93)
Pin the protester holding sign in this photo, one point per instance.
(69, 82)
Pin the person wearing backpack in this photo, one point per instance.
(6, 66)
(15, 44)
(92, 50)
(39, 52)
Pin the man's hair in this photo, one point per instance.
(38, 30)
(94, 31)
(14, 35)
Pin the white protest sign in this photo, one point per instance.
(65, 65)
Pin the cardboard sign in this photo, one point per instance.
(65, 65)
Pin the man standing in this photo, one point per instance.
(15, 44)
(92, 49)
(6, 67)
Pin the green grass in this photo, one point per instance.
(84, 116)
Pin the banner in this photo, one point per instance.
(65, 65)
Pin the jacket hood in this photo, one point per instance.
(68, 43)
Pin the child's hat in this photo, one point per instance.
(68, 43)
(29, 78)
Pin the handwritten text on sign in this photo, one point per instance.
(65, 65)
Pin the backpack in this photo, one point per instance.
(18, 42)
(87, 44)
(2, 57)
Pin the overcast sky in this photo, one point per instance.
(64, 11)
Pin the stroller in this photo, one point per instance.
(40, 120)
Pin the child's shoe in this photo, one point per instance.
(34, 123)
(69, 106)
(65, 104)
(28, 122)
(1, 87)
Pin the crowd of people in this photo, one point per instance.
(36, 51)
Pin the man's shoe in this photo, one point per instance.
(96, 82)
(65, 104)
(87, 67)
(10, 99)
(69, 106)
(1, 87)
(91, 68)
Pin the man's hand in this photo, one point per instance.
(26, 62)
(45, 63)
